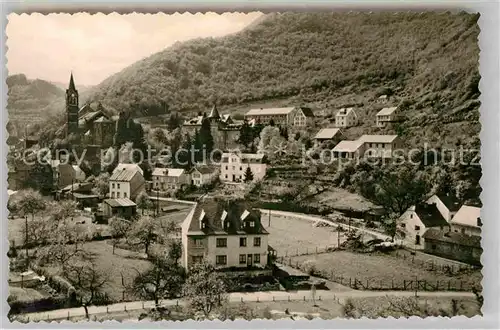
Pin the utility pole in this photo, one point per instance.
(269, 221)
(26, 238)
(338, 236)
(157, 202)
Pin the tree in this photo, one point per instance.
(175, 250)
(143, 232)
(163, 280)
(143, 201)
(29, 201)
(206, 138)
(119, 228)
(400, 189)
(246, 134)
(267, 134)
(204, 288)
(248, 175)
(101, 184)
(88, 281)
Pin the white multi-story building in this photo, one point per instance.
(385, 116)
(289, 116)
(225, 234)
(234, 165)
(346, 117)
(126, 182)
(380, 146)
(165, 179)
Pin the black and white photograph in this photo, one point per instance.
(243, 165)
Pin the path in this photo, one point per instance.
(302, 295)
(168, 199)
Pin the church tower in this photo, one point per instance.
(72, 108)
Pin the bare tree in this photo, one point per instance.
(204, 288)
(119, 228)
(144, 232)
(163, 279)
(29, 201)
(88, 281)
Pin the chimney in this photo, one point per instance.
(223, 219)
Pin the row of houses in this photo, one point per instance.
(347, 117)
(381, 146)
(443, 227)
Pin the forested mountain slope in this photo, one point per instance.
(430, 60)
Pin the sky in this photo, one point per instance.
(94, 47)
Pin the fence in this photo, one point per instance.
(397, 284)
(443, 266)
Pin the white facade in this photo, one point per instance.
(169, 178)
(233, 167)
(385, 116)
(346, 118)
(200, 177)
(413, 227)
(467, 221)
(119, 189)
(381, 146)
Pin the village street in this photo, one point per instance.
(302, 295)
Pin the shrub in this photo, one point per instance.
(309, 267)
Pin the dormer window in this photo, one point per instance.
(252, 223)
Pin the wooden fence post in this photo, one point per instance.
(404, 284)
(392, 284)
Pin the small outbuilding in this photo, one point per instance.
(119, 207)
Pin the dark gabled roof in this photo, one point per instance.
(452, 237)
(430, 215)
(211, 212)
(450, 201)
(205, 169)
(307, 112)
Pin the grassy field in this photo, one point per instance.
(123, 262)
(292, 236)
(381, 270)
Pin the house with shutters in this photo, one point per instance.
(226, 234)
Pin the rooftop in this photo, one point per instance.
(231, 217)
(270, 111)
(467, 216)
(119, 202)
(174, 172)
(430, 215)
(450, 201)
(205, 169)
(345, 111)
(131, 167)
(452, 237)
(347, 146)
(387, 111)
(327, 133)
(378, 138)
(307, 112)
(244, 158)
(123, 175)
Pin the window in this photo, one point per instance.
(252, 223)
(124, 195)
(256, 241)
(403, 225)
(243, 241)
(198, 242)
(226, 176)
(241, 168)
(113, 194)
(221, 260)
(243, 259)
(226, 167)
(221, 242)
(117, 194)
(113, 185)
(417, 227)
(411, 215)
(118, 185)
(197, 259)
(256, 258)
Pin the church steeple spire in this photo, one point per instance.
(71, 83)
